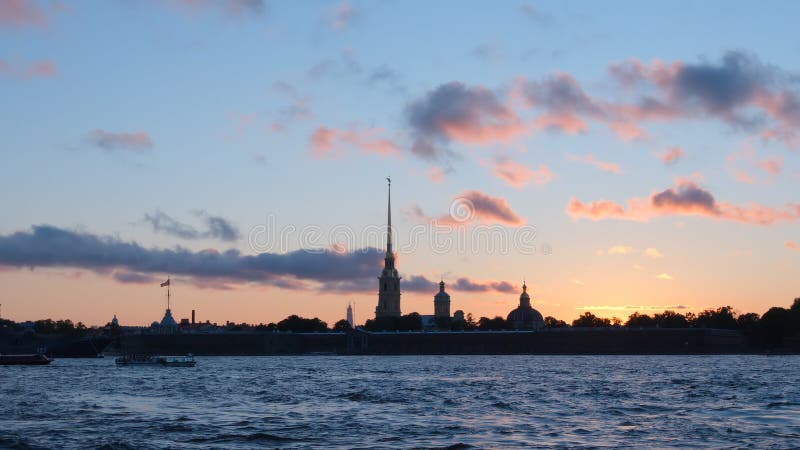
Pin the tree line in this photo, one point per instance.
(770, 329)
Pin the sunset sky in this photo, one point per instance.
(636, 156)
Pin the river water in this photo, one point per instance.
(406, 402)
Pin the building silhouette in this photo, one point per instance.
(389, 281)
(350, 318)
(441, 303)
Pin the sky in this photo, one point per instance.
(615, 156)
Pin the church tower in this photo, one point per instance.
(389, 281)
(441, 303)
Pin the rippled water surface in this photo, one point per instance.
(406, 402)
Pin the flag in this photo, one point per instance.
(166, 283)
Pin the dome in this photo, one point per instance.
(524, 316)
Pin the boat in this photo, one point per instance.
(156, 360)
(33, 359)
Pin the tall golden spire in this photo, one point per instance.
(389, 220)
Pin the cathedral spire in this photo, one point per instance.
(389, 220)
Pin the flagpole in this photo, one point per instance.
(168, 284)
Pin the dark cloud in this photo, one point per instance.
(385, 75)
(221, 229)
(720, 88)
(218, 227)
(467, 285)
(457, 112)
(685, 197)
(300, 107)
(561, 93)
(48, 246)
(131, 141)
(421, 284)
(739, 89)
(536, 15)
(134, 278)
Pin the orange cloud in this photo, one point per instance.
(653, 252)
(686, 198)
(594, 162)
(791, 245)
(620, 250)
(331, 143)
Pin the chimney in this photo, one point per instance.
(192, 317)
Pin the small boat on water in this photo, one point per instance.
(33, 359)
(156, 360)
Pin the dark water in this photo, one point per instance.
(405, 402)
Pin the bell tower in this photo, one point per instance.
(389, 281)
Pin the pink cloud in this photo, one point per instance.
(746, 157)
(453, 111)
(435, 174)
(332, 143)
(518, 175)
(231, 8)
(471, 206)
(566, 123)
(686, 198)
(772, 166)
(671, 156)
(340, 16)
(627, 131)
(26, 71)
(791, 245)
(594, 162)
(21, 13)
(515, 174)
(133, 141)
(482, 208)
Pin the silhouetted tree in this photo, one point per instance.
(774, 325)
(299, 324)
(589, 320)
(552, 322)
(443, 323)
(722, 317)
(409, 322)
(471, 323)
(62, 327)
(497, 323)
(637, 320)
(747, 323)
(342, 326)
(670, 319)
